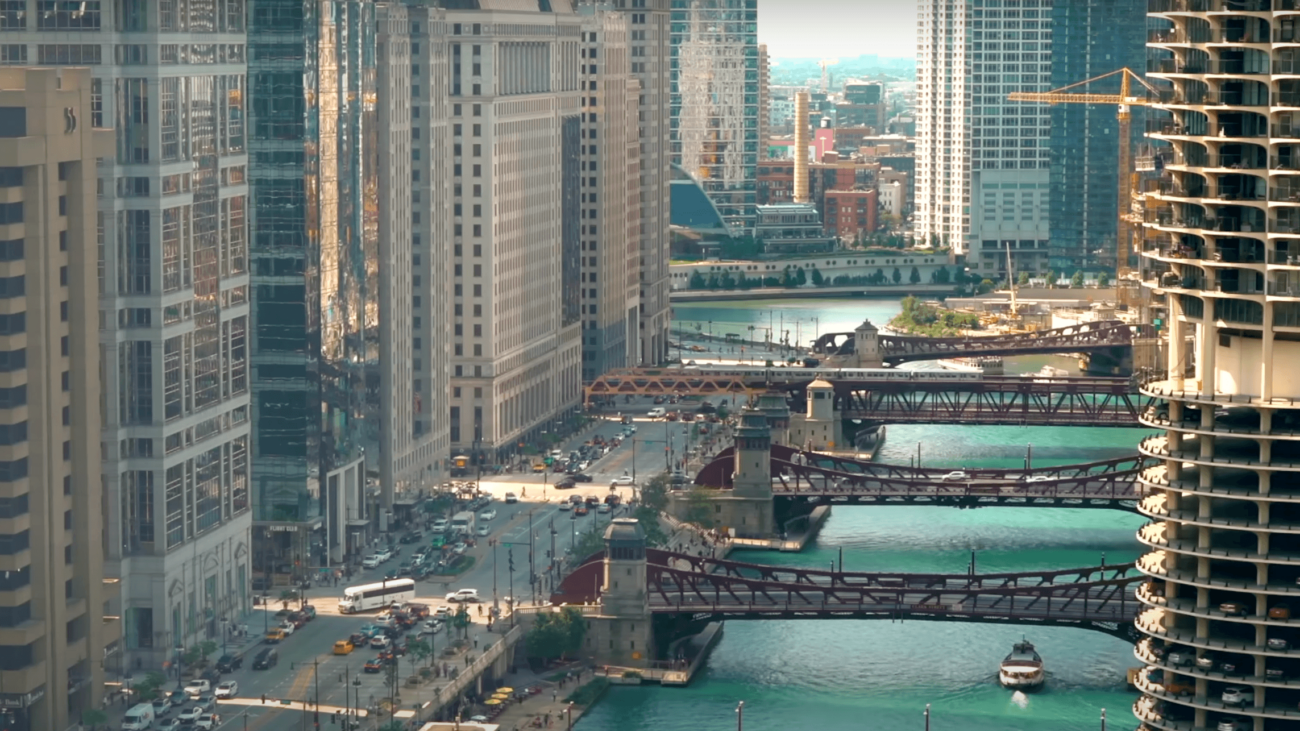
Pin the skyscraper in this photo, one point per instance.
(517, 111)
(714, 102)
(169, 78)
(995, 176)
(417, 190)
(55, 637)
(764, 100)
(649, 41)
(315, 255)
(1223, 246)
(611, 199)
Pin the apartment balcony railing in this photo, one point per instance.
(1284, 226)
(1174, 66)
(1288, 132)
(1284, 289)
(1289, 66)
(1234, 66)
(1285, 257)
(1284, 194)
(1211, 6)
(1286, 100)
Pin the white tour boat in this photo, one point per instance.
(1022, 669)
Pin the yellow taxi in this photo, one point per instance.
(343, 647)
(274, 636)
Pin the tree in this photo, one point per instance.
(698, 281)
(1076, 281)
(915, 277)
(713, 281)
(556, 634)
(879, 276)
(207, 647)
(460, 620)
(1052, 278)
(1103, 280)
(728, 281)
(147, 688)
(817, 278)
(800, 277)
(898, 275)
(92, 717)
(418, 650)
(986, 286)
(787, 277)
(1022, 279)
(697, 507)
(941, 275)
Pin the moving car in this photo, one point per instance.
(956, 476)
(603, 508)
(344, 647)
(207, 722)
(566, 505)
(205, 702)
(624, 479)
(229, 663)
(370, 562)
(288, 627)
(581, 477)
(374, 666)
(226, 689)
(567, 483)
(442, 612)
(487, 514)
(580, 510)
(190, 715)
(266, 659)
(380, 642)
(483, 530)
(196, 688)
(463, 595)
(511, 498)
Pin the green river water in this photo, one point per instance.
(876, 675)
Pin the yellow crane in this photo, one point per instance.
(1127, 174)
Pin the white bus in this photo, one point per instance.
(374, 596)
(462, 523)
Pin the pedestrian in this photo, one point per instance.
(555, 695)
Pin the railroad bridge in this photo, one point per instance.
(802, 478)
(671, 595)
(889, 396)
(1088, 337)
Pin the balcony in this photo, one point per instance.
(1285, 257)
(1173, 66)
(1284, 194)
(1284, 289)
(1286, 133)
(1281, 99)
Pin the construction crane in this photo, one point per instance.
(1125, 99)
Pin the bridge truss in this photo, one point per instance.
(994, 400)
(1081, 338)
(820, 477)
(1101, 598)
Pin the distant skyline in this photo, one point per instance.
(837, 28)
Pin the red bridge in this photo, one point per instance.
(1098, 597)
(827, 478)
(1081, 338)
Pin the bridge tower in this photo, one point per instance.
(866, 345)
(622, 634)
(820, 427)
(774, 405)
(747, 508)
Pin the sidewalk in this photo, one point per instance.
(532, 711)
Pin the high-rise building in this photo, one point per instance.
(610, 196)
(169, 78)
(995, 176)
(715, 101)
(1223, 246)
(314, 143)
(649, 42)
(56, 634)
(424, 442)
(517, 185)
(764, 100)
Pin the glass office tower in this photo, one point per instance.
(713, 101)
(314, 255)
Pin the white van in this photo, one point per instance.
(138, 718)
(656, 413)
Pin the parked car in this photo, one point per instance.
(1276, 643)
(1233, 723)
(226, 689)
(1238, 695)
(288, 626)
(1279, 611)
(1234, 609)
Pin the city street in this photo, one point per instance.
(308, 669)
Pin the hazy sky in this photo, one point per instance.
(835, 28)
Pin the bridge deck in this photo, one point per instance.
(812, 475)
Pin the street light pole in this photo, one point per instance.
(495, 604)
(740, 716)
(927, 717)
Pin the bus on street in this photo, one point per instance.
(375, 596)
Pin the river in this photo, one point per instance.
(874, 675)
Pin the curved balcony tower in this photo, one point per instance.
(1222, 236)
